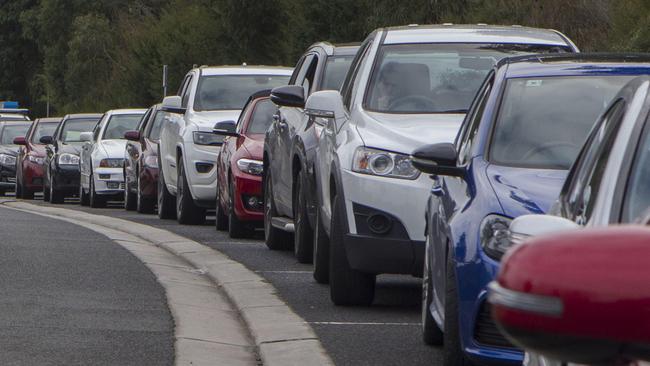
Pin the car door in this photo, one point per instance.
(86, 154)
(134, 149)
(171, 136)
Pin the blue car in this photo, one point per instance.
(523, 131)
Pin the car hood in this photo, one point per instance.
(112, 148)
(9, 149)
(73, 148)
(207, 119)
(38, 149)
(523, 191)
(254, 145)
(406, 132)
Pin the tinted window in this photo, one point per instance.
(335, 70)
(543, 122)
(11, 131)
(154, 132)
(73, 128)
(434, 78)
(262, 117)
(119, 124)
(473, 120)
(637, 194)
(222, 92)
(43, 129)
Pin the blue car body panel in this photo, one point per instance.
(454, 216)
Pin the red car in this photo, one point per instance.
(579, 296)
(239, 167)
(141, 163)
(31, 157)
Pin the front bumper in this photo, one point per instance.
(402, 202)
(149, 182)
(7, 177)
(32, 175)
(247, 186)
(108, 181)
(203, 182)
(66, 178)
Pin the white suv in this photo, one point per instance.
(188, 147)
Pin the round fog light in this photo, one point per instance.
(252, 201)
(379, 224)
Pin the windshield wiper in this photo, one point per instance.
(454, 111)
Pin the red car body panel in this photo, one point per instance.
(601, 279)
(245, 146)
(32, 173)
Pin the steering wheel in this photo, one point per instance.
(549, 149)
(420, 101)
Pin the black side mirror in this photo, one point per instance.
(226, 128)
(289, 96)
(47, 140)
(437, 159)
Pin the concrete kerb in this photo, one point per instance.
(281, 336)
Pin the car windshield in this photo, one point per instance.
(543, 122)
(435, 78)
(335, 70)
(119, 124)
(154, 132)
(43, 129)
(227, 92)
(11, 131)
(73, 128)
(262, 117)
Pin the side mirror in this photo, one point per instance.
(288, 96)
(527, 226)
(325, 104)
(46, 140)
(437, 159)
(578, 297)
(20, 140)
(86, 136)
(226, 128)
(132, 135)
(173, 104)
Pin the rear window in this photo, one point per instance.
(119, 124)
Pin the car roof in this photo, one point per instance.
(49, 119)
(480, 33)
(16, 123)
(13, 117)
(83, 116)
(246, 70)
(114, 112)
(576, 64)
(338, 49)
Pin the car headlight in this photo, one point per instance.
(254, 167)
(383, 163)
(207, 138)
(68, 159)
(35, 159)
(7, 160)
(495, 238)
(151, 161)
(111, 163)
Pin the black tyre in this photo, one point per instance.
(321, 251)
(187, 212)
(95, 201)
(236, 228)
(55, 196)
(431, 333)
(221, 220)
(130, 198)
(144, 205)
(453, 354)
(166, 202)
(274, 238)
(347, 286)
(84, 198)
(21, 189)
(303, 242)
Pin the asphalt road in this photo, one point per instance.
(71, 296)
(387, 333)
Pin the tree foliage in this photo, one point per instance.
(83, 55)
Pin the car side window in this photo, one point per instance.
(582, 195)
(296, 70)
(351, 79)
(156, 125)
(310, 75)
(636, 200)
(142, 125)
(186, 93)
(183, 85)
(98, 127)
(468, 133)
(304, 68)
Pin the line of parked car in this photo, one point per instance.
(433, 151)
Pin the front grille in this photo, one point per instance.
(11, 179)
(486, 331)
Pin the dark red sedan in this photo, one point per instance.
(141, 163)
(31, 157)
(239, 167)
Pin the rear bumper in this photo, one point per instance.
(109, 181)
